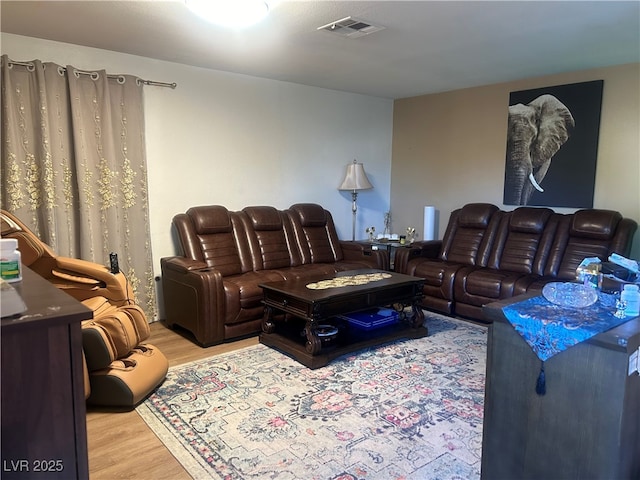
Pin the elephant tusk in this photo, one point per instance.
(534, 183)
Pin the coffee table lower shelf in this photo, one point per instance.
(297, 350)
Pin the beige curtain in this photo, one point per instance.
(74, 166)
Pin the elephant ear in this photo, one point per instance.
(555, 125)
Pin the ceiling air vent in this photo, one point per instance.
(351, 27)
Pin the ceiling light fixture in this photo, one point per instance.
(230, 13)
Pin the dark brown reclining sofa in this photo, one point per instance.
(488, 254)
(211, 288)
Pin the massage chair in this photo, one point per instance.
(120, 370)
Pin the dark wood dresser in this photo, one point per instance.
(44, 432)
(586, 426)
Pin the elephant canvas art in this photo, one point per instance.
(552, 145)
(536, 132)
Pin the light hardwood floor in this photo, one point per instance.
(120, 443)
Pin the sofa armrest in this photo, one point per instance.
(194, 298)
(402, 257)
(427, 249)
(355, 251)
(430, 248)
(183, 264)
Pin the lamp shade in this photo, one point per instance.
(356, 178)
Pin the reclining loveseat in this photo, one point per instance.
(211, 288)
(488, 254)
(120, 370)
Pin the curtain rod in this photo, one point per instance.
(30, 65)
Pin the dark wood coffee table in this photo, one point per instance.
(293, 312)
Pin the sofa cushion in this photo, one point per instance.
(309, 271)
(210, 219)
(315, 233)
(596, 224)
(476, 215)
(438, 276)
(478, 286)
(243, 293)
(264, 218)
(209, 235)
(469, 235)
(310, 214)
(529, 220)
(590, 234)
(267, 238)
(519, 239)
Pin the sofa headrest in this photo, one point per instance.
(476, 215)
(310, 214)
(210, 219)
(264, 218)
(529, 219)
(593, 223)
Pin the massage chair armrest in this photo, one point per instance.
(356, 251)
(427, 249)
(182, 264)
(83, 279)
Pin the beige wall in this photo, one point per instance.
(449, 148)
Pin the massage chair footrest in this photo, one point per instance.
(127, 381)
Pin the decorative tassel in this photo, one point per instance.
(541, 384)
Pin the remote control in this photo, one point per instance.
(113, 260)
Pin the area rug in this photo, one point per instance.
(410, 409)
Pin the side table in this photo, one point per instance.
(391, 247)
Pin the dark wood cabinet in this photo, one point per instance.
(586, 426)
(44, 431)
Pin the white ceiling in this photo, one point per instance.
(426, 46)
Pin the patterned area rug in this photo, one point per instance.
(407, 410)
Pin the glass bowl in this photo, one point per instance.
(567, 294)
